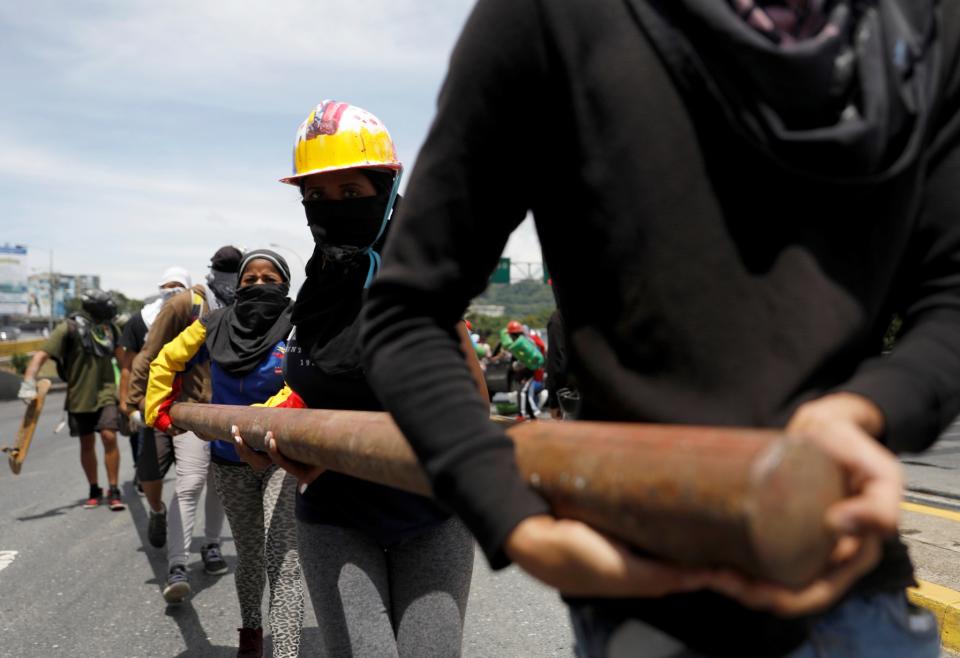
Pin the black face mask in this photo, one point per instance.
(258, 306)
(223, 285)
(344, 229)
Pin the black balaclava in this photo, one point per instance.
(240, 336)
(348, 234)
(222, 278)
(345, 231)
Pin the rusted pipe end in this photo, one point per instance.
(792, 484)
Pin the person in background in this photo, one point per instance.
(84, 346)
(526, 352)
(244, 344)
(388, 571)
(190, 453)
(172, 281)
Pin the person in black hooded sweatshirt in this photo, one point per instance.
(733, 199)
(388, 571)
(245, 344)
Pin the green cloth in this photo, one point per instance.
(90, 381)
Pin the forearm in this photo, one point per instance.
(171, 360)
(125, 359)
(915, 387)
(469, 460)
(36, 362)
(466, 346)
(137, 386)
(124, 385)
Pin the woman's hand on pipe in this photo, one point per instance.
(305, 473)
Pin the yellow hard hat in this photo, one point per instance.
(338, 135)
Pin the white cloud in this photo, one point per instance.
(140, 134)
(223, 48)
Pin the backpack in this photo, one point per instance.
(79, 337)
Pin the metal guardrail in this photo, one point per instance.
(9, 348)
(751, 499)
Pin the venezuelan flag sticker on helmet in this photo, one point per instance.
(338, 135)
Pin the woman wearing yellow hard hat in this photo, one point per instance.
(388, 571)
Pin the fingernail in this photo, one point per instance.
(273, 444)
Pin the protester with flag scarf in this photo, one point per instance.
(245, 343)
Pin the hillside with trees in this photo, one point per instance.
(530, 302)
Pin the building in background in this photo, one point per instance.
(14, 293)
(65, 287)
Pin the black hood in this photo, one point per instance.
(852, 101)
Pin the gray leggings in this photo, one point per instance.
(407, 601)
(259, 507)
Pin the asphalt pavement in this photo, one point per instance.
(932, 475)
(86, 584)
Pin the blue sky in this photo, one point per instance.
(137, 134)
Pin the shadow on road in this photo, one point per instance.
(184, 614)
(56, 511)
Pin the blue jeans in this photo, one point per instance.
(878, 626)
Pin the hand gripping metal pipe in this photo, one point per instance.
(749, 499)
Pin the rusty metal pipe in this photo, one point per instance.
(750, 499)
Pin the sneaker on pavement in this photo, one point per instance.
(157, 528)
(96, 496)
(213, 562)
(178, 585)
(115, 501)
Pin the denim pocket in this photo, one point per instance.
(910, 619)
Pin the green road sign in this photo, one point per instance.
(502, 273)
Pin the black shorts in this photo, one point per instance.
(156, 455)
(106, 418)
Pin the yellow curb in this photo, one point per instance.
(931, 511)
(944, 603)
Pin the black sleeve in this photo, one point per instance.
(133, 334)
(916, 386)
(556, 359)
(465, 197)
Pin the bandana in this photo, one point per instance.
(241, 335)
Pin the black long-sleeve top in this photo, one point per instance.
(699, 283)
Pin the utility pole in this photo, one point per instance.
(52, 292)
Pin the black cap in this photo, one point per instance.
(227, 259)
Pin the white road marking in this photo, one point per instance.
(7, 558)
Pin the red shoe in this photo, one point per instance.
(115, 502)
(96, 496)
(251, 643)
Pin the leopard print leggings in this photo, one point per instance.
(259, 507)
